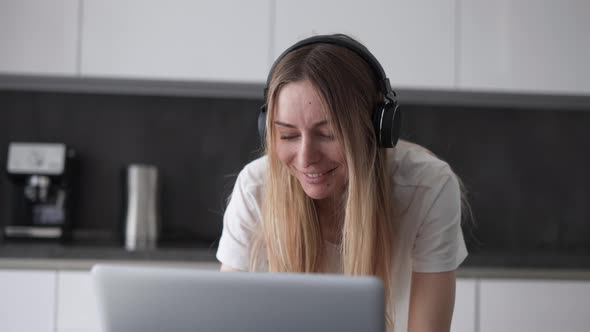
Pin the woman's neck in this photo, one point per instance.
(330, 219)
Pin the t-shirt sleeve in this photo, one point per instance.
(240, 217)
(439, 244)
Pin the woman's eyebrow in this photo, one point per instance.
(284, 124)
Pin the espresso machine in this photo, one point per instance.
(43, 179)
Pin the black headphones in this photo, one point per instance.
(386, 117)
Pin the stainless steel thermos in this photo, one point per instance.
(141, 221)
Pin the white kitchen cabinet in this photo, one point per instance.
(413, 40)
(465, 306)
(27, 301)
(77, 309)
(538, 46)
(225, 40)
(76, 305)
(39, 37)
(534, 305)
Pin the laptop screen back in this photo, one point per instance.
(134, 298)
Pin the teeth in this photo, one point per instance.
(314, 175)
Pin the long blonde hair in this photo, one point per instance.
(290, 232)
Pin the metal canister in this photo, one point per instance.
(141, 221)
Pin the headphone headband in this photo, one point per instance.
(346, 42)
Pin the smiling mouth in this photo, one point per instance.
(318, 175)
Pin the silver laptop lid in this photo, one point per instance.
(133, 298)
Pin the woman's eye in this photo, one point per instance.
(291, 137)
(288, 137)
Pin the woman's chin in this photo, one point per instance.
(316, 196)
(317, 193)
(320, 190)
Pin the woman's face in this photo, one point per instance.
(306, 142)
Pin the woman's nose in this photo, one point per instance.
(309, 152)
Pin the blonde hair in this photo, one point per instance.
(290, 231)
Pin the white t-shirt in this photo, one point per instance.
(425, 190)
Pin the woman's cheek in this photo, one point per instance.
(284, 153)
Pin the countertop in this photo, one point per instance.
(52, 256)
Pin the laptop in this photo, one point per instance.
(147, 298)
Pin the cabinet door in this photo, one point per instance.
(464, 313)
(27, 301)
(38, 37)
(76, 301)
(413, 40)
(525, 46)
(76, 305)
(534, 305)
(225, 40)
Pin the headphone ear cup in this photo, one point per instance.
(262, 124)
(377, 116)
(387, 123)
(396, 124)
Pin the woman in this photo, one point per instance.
(327, 198)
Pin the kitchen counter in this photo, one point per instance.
(82, 257)
(79, 257)
(105, 252)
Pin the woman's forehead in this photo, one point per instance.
(301, 100)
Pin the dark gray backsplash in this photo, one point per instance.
(526, 172)
(525, 169)
(199, 146)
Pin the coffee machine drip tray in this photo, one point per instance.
(14, 231)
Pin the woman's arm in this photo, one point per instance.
(432, 300)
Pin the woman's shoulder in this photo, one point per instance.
(423, 184)
(253, 175)
(414, 165)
